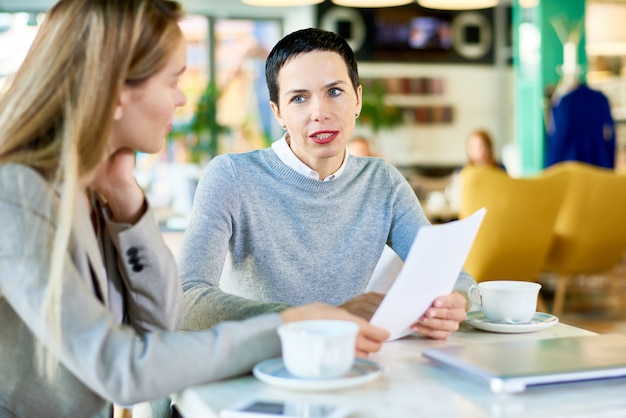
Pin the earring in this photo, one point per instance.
(356, 115)
(284, 127)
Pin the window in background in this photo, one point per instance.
(196, 77)
(228, 112)
(241, 47)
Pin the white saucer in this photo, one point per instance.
(539, 321)
(273, 371)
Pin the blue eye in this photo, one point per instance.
(298, 99)
(335, 92)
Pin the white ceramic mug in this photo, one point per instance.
(506, 301)
(318, 349)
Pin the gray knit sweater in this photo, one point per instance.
(263, 236)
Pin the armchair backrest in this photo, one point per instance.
(590, 232)
(517, 232)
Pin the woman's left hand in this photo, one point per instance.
(442, 318)
(116, 182)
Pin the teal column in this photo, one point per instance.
(537, 58)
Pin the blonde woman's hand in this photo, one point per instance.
(116, 182)
(370, 338)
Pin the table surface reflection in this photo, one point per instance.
(413, 386)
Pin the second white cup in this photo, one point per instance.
(506, 301)
(318, 349)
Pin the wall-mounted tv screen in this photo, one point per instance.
(412, 33)
(420, 33)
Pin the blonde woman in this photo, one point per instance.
(88, 289)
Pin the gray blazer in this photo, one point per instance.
(120, 301)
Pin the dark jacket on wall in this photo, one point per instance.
(581, 128)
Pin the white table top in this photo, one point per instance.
(412, 386)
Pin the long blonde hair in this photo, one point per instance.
(57, 113)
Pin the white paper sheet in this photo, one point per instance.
(430, 270)
(385, 272)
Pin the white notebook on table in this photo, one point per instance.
(515, 366)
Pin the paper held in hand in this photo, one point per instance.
(430, 270)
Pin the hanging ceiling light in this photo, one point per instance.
(280, 3)
(528, 4)
(457, 4)
(371, 3)
(431, 4)
(604, 29)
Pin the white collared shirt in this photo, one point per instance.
(286, 155)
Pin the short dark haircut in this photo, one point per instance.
(303, 41)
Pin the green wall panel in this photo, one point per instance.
(537, 58)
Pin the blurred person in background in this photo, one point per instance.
(360, 146)
(480, 152)
(480, 149)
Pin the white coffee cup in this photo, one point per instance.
(506, 301)
(318, 349)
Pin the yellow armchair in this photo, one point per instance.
(590, 232)
(516, 234)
